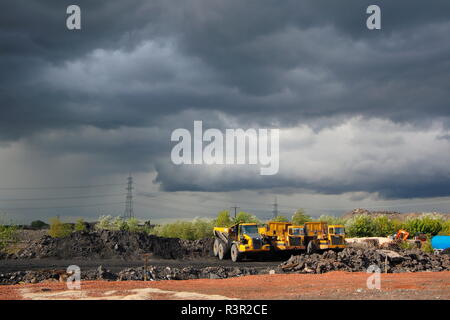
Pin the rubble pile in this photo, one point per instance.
(106, 244)
(151, 273)
(354, 259)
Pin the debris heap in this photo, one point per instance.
(354, 259)
(107, 244)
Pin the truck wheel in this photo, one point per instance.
(216, 247)
(235, 254)
(222, 251)
(311, 248)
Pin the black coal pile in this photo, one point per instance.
(106, 244)
(167, 273)
(354, 259)
(151, 273)
(30, 276)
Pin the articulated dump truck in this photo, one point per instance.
(238, 241)
(246, 239)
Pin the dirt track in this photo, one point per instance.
(332, 285)
(116, 265)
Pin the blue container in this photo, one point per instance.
(440, 242)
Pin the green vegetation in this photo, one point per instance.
(223, 219)
(300, 217)
(331, 219)
(118, 223)
(189, 230)
(428, 224)
(80, 225)
(245, 217)
(59, 229)
(360, 226)
(280, 219)
(8, 235)
(39, 225)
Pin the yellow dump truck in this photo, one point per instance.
(321, 236)
(238, 241)
(283, 236)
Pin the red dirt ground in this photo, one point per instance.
(333, 285)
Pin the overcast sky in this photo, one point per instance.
(363, 115)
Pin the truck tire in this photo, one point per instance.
(235, 254)
(222, 251)
(216, 247)
(311, 248)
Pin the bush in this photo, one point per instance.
(428, 224)
(445, 231)
(280, 219)
(59, 229)
(118, 223)
(223, 219)
(331, 220)
(8, 235)
(245, 217)
(189, 230)
(104, 223)
(80, 225)
(39, 225)
(383, 226)
(360, 226)
(300, 217)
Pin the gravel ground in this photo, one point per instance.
(115, 265)
(332, 285)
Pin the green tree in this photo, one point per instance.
(223, 219)
(300, 217)
(427, 224)
(245, 217)
(360, 226)
(59, 229)
(383, 226)
(280, 219)
(38, 225)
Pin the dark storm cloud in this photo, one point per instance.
(162, 64)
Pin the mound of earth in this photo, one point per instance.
(106, 244)
(151, 273)
(356, 259)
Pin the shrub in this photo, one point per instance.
(280, 219)
(331, 219)
(223, 219)
(428, 224)
(245, 217)
(360, 226)
(80, 225)
(445, 231)
(38, 225)
(8, 235)
(104, 223)
(59, 229)
(300, 217)
(383, 226)
(190, 230)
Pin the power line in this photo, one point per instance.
(64, 198)
(62, 187)
(64, 207)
